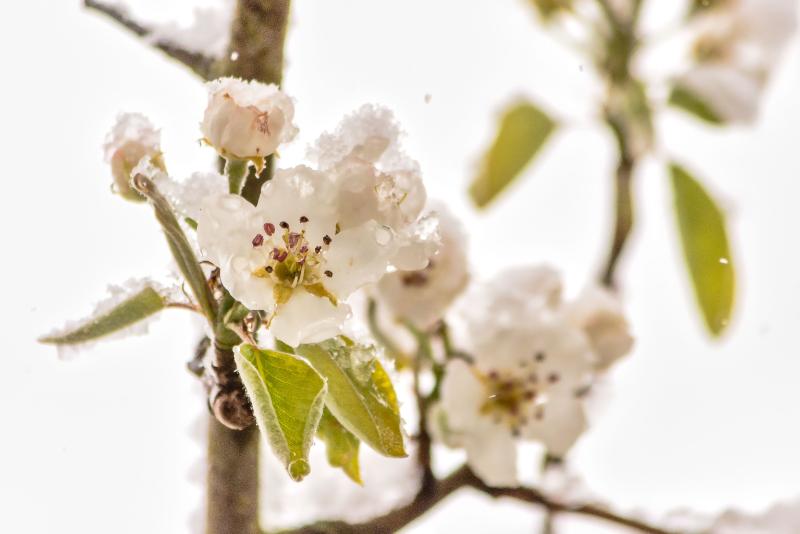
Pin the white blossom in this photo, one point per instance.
(739, 44)
(247, 120)
(533, 358)
(377, 181)
(132, 139)
(782, 518)
(423, 296)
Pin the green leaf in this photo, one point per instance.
(360, 393)
(523, 130)
(341, 446)
(287, 397)
(684, 99)
(128, 312)
(706, 249)
(179, 246)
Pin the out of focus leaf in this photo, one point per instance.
(523, 131)
(682, 98)
(287, 397)
(706, 249)
(360, 393)
(549, 8)
(128, 312)
(341, 445)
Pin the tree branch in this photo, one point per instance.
(465, 478)
(200, 64)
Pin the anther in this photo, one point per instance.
(539, 356)
(268, 268)
(303, 219)
(328, 273)
(294, 238)
(284, 225)
(269, 228)
(327, 239)
(318, 249)
(258, 240)
(553, 378)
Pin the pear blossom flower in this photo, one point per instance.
(534, 357)
(739, 44)
(132, 138)
(247, 120)
(423, 296)
(377, 181)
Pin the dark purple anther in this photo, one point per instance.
(303, 219)
(317, 249)
(268, 268)
(327, 240)
(279, 255)
(284, 225)
(258, 240)
(294, 239)
(269, 228)
(304, 249)
(328, 274)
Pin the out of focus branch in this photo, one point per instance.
(465, 478)
(201, 64)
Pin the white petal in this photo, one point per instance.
(462, 396)
(300, 192)
(599, 313)
(254, 292)
(226, 225)
(492, 455)
(308, 319)
(562, 424)
(357, 257)
(730, 92)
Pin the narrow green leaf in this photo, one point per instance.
(287, 397)
(684, 99)
(128, 312)
(523, 131)
(178, 245)
(341, 445)
(360, 393)
(706, 249)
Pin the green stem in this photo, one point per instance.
(235, 170)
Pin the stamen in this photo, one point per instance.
(269, 228)
(553, 378)
(539, 356)
(303, 219)
(284, 225)
(268, 268)
(258, 240)
(327, 239)
(318, 249)
(294, 238)
(329, 274)
(279, 255)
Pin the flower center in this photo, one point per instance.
(513, 396)
(292, 261)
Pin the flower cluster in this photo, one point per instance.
(132, 139)
(739, 43)
(317, 234)
(533, 360)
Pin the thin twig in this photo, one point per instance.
(465, 478)
(201, 64)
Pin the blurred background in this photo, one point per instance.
(110, 439)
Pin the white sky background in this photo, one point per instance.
(103, 442)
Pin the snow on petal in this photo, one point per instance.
(247, 119)
(132, 139)
(359, 256)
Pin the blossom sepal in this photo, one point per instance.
(287, 396)
(360, 393)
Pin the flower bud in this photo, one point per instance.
(247, 120)
(132, 138)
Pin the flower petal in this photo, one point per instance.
(492, 455)
(308, 319)
(358, 256)
(562, 423)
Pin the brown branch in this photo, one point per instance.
(199, 63)
(465, 478)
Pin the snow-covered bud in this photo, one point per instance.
(598, 312)
(247, 120)
(423, 296)
(132, 138)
